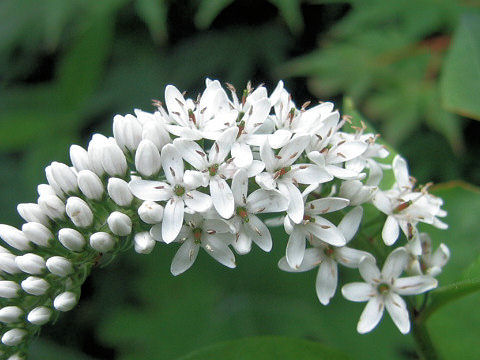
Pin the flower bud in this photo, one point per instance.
(79, 158)
(10, 314)
(113, 160)
(52, 206)
(90, 184)
(44, 189)
(32, 212)
(64, 177)
(79, 212)
(95, 153)
(144, 243)
(13, 337)
(30, 263)
(8, 264)
(150, 212)
(59, 266)
(14, 237)
(37, 233)
(119, 223)
(156, 133)
(51, 181)
(127, 132)
(35, 286)
(119, 191)
(102, 242)
(16, 356)
(9, 289)
(71, 239)
(40, 315)
(147, 158)
(65, 301)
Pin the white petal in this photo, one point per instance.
(326, 205)
(259, 233)
(175, 103)
(369, 270)
(222, 146)
(194, 179)
(350, 223)
(192, 153)
(150, 190)
(172, 164)
(414, 285)
(358, 291)
(218, 249)
(394, 265)
(268, 157)
(346, 151)
(295, 206)
(312, 258)
(349, 257)
(256, 168)
(242, 155)
(326, 231)
(397, 309)
(327, 279)
(265, 180)
(279, 138)
(185, 257)
(197, 201)
(344, 174)
(440, 256)
(292, 151)
(296, 248)
(266, 201)
(222, 197)
(240, 187)
(371, 315)
(172, 219)
(400, 170)
(382, 202)
(391, 230)
(243, 242)
(310, 174)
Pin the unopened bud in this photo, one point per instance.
(150, 212)
(13, 337)
(144, 243)
(65, 177)
(52, 206)
(40, 315)
(95, 153)
(10, 314)
(32, 212)
(30, 263)
(127, 132)
(79, 158)
(119, 191)
(71, 239)
(44, 189)
(8, 264)
(37, 233)
(9, 289)
(59, 266)
(113, 159)
(51, 181)
(65, 301)
(90, 185)
(102, 242)
(14, 237)
(119, 223)
(79, 212)
(156, 133)
(35, 286)
(147, 158)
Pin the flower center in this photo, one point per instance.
(383, 289)
(179, 190)
(282, 172)
(191, 116)
(197, 235)
(307, 219)
(212, 170)
(242, 212)
(328, 251)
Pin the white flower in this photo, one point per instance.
(176, 193)
(429, 262)
(65, 301)
(326, 257)
(247, 224)
(282, 173)
(213, 235)
(383, 289)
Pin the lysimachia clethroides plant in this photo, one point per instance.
(214, 175)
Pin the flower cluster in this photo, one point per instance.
(214, 174)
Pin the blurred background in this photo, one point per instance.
(411, 67)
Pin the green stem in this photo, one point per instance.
(425, 348)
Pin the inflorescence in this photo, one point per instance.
(214, 174)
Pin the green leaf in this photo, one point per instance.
(267, 348)
(154, 14)
(460, 81)
(41, 349)
(292, 13)
(208, 11)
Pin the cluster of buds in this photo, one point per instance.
(214, 174)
